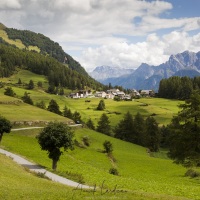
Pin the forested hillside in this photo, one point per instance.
(46, 46)
(57, 74)
(46, 57)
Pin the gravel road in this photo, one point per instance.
(36, 168)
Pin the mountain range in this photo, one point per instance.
(102, 73)
(148, 77)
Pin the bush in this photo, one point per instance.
(86, 141)
(9, 92)
(108, 146)
(192, 173)
(113, 171)
(117, 98)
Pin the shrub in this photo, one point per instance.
(9, 92)
(192, 173)
(113, 171)
(86, 141)
(101, 105)
(27, 99)
(108, 146)
(117, 98)
(41, 104)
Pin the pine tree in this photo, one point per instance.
(139, 125)
(31, 85)
(67, 113)
(27, 99)
(19, 81)
(9, 92)
(54, 107)
(152, 134)
(101, 105)
(185, 133)
(124, 130)
(104, 125)
(90, 124)
(76, 117)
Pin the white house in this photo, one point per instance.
(101, 94)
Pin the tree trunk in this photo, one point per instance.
(54, 164)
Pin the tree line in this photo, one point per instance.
(178, 87)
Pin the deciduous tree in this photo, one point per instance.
(55, 137)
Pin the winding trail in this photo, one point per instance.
(36, 168)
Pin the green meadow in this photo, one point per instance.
(141, 176)
(162, 109)
(139, 173)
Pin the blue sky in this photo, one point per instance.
(121, 33)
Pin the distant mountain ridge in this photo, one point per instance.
(101, 73)
(148, 77)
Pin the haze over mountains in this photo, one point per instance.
(148, 77)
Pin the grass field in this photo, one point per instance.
(139, 173)
(162, 109)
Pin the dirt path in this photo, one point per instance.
(36, 168)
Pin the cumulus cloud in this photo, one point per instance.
(102, 28)
(154, 51)
(10, 4)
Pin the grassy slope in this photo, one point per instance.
(16, 183)
(17, 43)
(148, 177)
(162, 109)
(138, 171)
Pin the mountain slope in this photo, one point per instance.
(41, 55)
(46, 46)
(148, 77)
(104, 72)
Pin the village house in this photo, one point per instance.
(101, 94)
(147, 93)
(134, 93)
(80, 94)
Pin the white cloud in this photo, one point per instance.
(154, 51)
(10, 4)
(101, 29)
